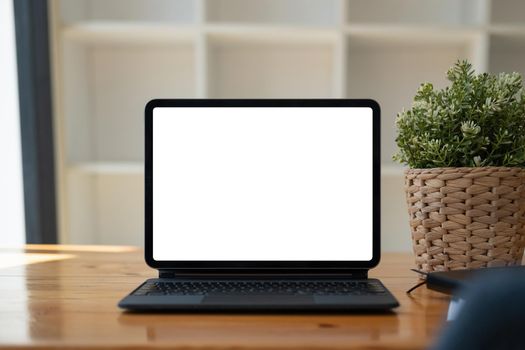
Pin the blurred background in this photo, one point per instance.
(109, 57)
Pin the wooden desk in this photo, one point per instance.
(66, 296)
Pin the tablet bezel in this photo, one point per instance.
(285, 266)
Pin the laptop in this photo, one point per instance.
(261, 205)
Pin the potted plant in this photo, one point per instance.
(465, 148)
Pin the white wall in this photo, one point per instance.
(12, 227)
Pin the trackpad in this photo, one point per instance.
(255, 299)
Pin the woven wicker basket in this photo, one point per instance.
(463, 218)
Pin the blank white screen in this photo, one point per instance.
(262, 184)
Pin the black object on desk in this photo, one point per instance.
(491, 315)
(450, 282)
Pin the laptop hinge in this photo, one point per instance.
(206, 273)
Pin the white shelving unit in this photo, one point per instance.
(111, 56)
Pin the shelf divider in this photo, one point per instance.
(108, 168)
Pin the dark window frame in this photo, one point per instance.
(36, 120)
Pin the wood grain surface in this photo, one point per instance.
(54, 296)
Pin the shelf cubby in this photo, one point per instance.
(508, 12)
(168, 11)
(106, 89)
(119, 208)
(289, 12)
(105, 209)
(422, 12)
(244, 69)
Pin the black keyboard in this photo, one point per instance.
(287, 287)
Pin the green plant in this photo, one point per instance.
(479, 120)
